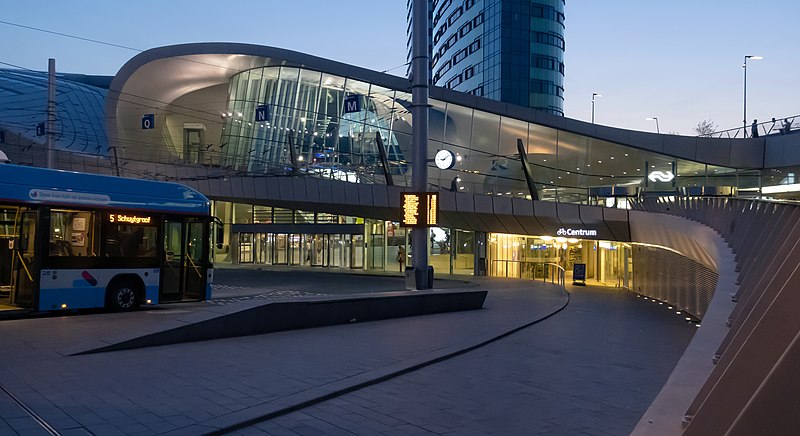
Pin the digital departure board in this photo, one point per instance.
(420, 209)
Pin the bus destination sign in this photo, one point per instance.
(420, 209)
(129, 219)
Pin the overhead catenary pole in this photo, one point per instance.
(51, 109)
(420, 76)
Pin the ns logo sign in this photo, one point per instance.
(661, 176)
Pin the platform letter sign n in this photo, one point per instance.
(262, 113)
(352, 103)
(148, 121)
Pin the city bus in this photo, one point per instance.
(76, 241)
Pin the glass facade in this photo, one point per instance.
(506, 50)
(320, 125)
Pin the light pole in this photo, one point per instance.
(656, 119)
(744, 67)
(594, 94)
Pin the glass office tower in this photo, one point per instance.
(507, 50)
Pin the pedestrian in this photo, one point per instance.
(787, 126)
(401, 256)
(754, 129)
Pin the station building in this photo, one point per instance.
(305, 159)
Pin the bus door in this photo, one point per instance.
(185, 264)
(26, 261)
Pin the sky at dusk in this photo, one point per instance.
(677, 60)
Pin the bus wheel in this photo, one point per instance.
(122, 296)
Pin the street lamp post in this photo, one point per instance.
(744, 67)
(656, 120)
(594, 94)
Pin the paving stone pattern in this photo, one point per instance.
(599, 360)
(592, 369)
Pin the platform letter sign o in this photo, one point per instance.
(148, 121)
(352, 103)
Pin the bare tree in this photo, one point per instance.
(705, 128)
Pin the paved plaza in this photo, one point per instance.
(534, 360)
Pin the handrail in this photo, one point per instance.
(767, 128)
(194, 265)
(555, 272)
(30, 277)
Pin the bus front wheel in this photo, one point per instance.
(122, 296)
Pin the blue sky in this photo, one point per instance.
(677, 60)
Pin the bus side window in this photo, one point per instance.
(72, 233)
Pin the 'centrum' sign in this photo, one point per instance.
(576, 232)
(420, 209)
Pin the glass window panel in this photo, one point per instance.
(485, 132)
(436, 120)
(72, 233)
(242, 213)
(715, 175)
(458, 125)
(510, 131)
(122, 240)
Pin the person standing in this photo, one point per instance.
(401, 256)
(754, 129)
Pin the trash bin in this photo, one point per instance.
(411, 281)
(416, 280)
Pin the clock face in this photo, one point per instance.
(445, 159)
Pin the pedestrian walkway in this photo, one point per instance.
(219, 385)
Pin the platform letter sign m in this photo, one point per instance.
(352, 103)
(148, 121)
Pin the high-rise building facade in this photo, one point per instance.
(506, 50)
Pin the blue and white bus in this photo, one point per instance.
(74, 241)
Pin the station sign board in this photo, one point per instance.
(420, 209)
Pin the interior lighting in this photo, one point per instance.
(777, 189)
(459, 158)
(678, 312)
(688, 319)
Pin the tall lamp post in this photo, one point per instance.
(656, 120)
(744, 67)
(594, 94)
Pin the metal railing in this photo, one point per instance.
(525, 269)
(775, 126)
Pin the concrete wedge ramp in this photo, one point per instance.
(313, 312)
